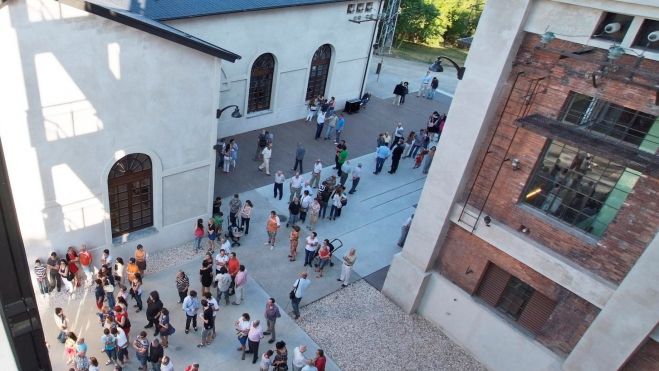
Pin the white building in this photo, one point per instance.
(109, 107)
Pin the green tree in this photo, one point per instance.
(457, 18)
(417, 21)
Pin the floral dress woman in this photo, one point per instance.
(294, 238)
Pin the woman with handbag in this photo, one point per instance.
(165, 328)
(242, 329)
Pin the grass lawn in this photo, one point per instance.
(428, 54)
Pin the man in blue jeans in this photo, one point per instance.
(382, 154)
(299, 287)
(141, 345)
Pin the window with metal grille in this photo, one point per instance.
(624, 21)
(516, 299)
(130, 191)
(320, 64)
(622, 124)
(260, 83)
(647, 27)
(578, 188)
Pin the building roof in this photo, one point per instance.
(151, 26)
(162, 10)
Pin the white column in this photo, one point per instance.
(473, 109)
(628, 318)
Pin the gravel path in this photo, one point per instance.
(362, 330)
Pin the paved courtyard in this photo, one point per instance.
(340, 321)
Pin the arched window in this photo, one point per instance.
(260, 83)
(130, 190)
(319, 69)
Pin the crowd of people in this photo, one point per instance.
(116, 282)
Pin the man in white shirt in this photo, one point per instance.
(307, 187)
(221, 260)
(320, 122)
(299, 360)
(398, 134)
(225, 244)
(356, 175)
(254, 337)
(315, 174)
(304, 205)
(296, 186)
(425, 83)
(279, 183)
(267, 154)
(299, 288)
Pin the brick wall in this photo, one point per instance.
(613, 255)
(646, 358)
(463, 260)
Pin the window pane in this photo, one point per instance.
(514, 297)
(578, 188)
(612, 120)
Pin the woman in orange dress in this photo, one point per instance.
(294, 238)
(140, 258)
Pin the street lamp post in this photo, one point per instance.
(437, 66)
(235, 114)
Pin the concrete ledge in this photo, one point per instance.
(477, 328)
(557, 268)
(405, 281)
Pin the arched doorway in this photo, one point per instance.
(320, 64)
(131, 194)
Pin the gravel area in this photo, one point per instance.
(360, 329)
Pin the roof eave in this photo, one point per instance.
(153, 27)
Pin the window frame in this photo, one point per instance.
(586, 196)
(261, 79)
(610, 17)
(640, 40)
(595, 119)
(317, 82)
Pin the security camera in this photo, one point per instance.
(653, 36)
(612, 27)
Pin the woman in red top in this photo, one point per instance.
(121, 317)
(72, 262)
(320, 360)
(324, 255)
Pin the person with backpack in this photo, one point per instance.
(109, 343)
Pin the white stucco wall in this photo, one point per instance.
(79, 92)
(292, 35)
(490, 338)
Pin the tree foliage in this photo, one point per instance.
(417, 21)
(437, 21)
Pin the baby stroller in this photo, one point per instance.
(235, 233)
(334, 245)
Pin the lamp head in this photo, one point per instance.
(615, 52)
(547, 37)
(236, 113)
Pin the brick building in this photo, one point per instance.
(534, 244)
